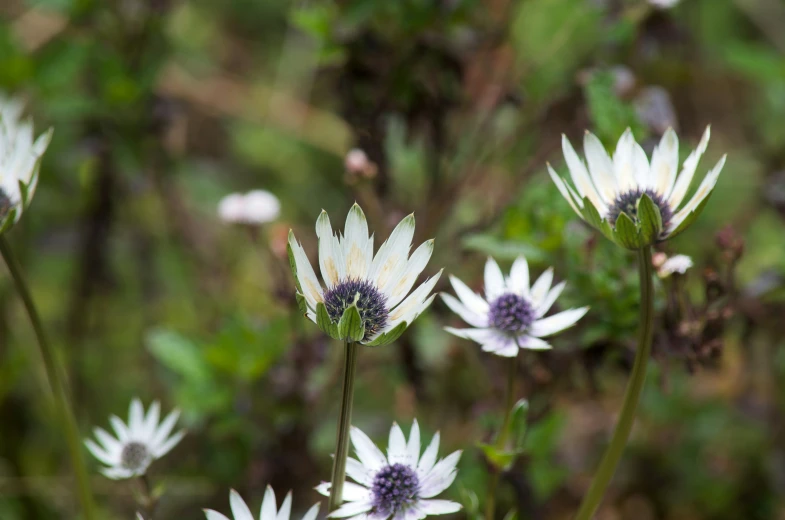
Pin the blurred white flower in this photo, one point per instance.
(365, 298)
(357, 162)
(269, 510)
(253, 208)
(675, 264)
(20, 157)
(664, 4)
(401, 485)
(631, 201)
(138, 443)
(511, 316)
(139, 516)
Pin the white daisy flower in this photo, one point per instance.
(138, 443)
(253, 208)
(512, 314)
(675, 264)
(633, 202)
(365, 295)
(269, 509)
(20, 157)
(401, 485)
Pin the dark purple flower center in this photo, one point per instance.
(134, 455)
(394, 488)
(511, 313)
(628, 203)
(371, 303)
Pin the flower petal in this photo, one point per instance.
(214, 515)
(331, 260)
(286, 507)
(136, 419)
(519, 277)
(438, 507)
(351, 509)
(703, 191)
(392, 256)
(473, 319)
(665, 163)
(556, 323)
(240, 510)
(312, 512)
(541, 287)
(428, 458)
(473, 301)
(355, 244)
(580, 175)
(440, 477)
(396, 447)
(405, 280)
(532, 343)
(370, 456)
(623, 163)
(563, 189)
(358, 472)
(413, 445)
(494, 280)
(676, 196)
(601, 168)
(306, 276)
(544, 306)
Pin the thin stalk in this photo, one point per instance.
(64, 411)
(627, 416)
(145, 499)
(501, 439)
(344, 425)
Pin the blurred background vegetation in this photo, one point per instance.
(161, 107)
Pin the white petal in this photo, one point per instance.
(684, 180)
(371, 456)
(532, 343)
(117, 473)
(481, 336)
(240, 510)
(119, 428)
(413, 445)
(409, 308)
(331, 260)
(563, 189)
(324, 488)
(312, 512)
(665, 163)
(547, 302)
(350, 509)
(165, 428)
(358, 472)
(312, 290)
(396, 448)
(502, 345)
(556, 323)
(136, 418)
(151, 420)
(541, 287)
(286, 507)
(111, 444)
(494, 280)
(269, 506)
(438, 507)
(391, 259)
(100, 454)
(642, 169)
(580, 175)
(355, 493)
(405, 280)
(704, 190)
(473, 301)
(355, 244)
(623, 163)
(519, 277)
(214, 515)
(162, 449)
(440, 477)
(473, 319)
(601, 168)
(428, 458)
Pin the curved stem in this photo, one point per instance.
(627, 416)
(63, 406)
(344, 426)
(501, 439)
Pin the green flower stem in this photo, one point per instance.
(627, 416)
(501, 439)
(344, 425)
(63, 406)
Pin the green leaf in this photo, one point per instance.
(178, 354)
(351, 325)
(325, 323)
(626, 232)
(650, 220)
(500, 459)
(519, 424)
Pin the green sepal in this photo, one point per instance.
(301, 303)
(594, 218)
(626, 233)
(8, 221)
(689, 219)
(649, 220)
(351, 325)
(292, 263)
(389, 336)
(23, 193)
(325, 323)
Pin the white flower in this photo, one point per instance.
(675, 264)
(253, 208)
(138, 443)
(401, 485)
(664, 4)
(20, 157)
(365, 296)
(269, 509)
(633, 202)
(511, 316)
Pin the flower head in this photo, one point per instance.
(20, 158)
(512, 314)
(677, 264)
(365, 298)
(402, 484)
(633, 202)
(269, 510)
(253, 208)
(138, 443)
